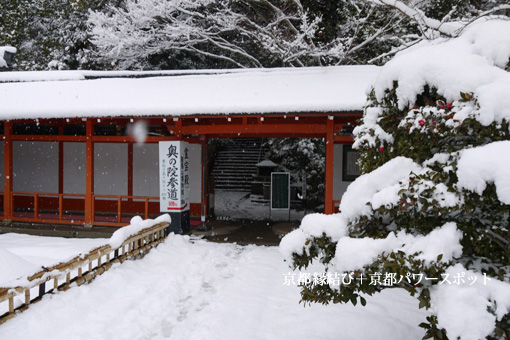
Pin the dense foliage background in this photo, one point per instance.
(181, 34)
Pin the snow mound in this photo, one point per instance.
(313, 225)
(378, 188)
(462, 303)
(354, 253)
(467, 63)
(13, 267)
(486, 164)
(137, 224)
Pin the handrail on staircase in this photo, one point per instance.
(260, 149)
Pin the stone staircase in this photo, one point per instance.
(234, 166)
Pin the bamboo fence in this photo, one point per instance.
(81, 269)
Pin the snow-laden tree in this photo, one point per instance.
(305, 159)
(244, 33)
(226, 33)
(428, 20)
(188, 33)
(431, 212)
(48, 34)
(254, 33)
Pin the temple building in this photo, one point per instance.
(84, 147)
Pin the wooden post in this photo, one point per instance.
(8, 179)
(61, 164)
(130, 170)
(205, 179)
(60, 173)
(119, 209)
(27, 296)
(42, 289)
(60, 207)
(178, 128)
(89, 190)
(36, 206)
(11, 304)
(328, 180)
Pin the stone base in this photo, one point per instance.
(180, 223)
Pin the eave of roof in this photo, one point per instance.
(69, 94)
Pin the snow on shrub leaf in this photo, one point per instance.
(433, 152)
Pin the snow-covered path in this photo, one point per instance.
(238, 205)
(193, 289)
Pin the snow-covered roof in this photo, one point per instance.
(266, 163)
(66, 94)
(3, 49)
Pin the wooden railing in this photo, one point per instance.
(48, 207)
(117, 213)
(108, 210)
(81, 269)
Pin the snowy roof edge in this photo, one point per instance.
(66, 94)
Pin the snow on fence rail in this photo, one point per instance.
(129, 242)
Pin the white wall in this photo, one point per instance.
(35, 166)
(195, 173)
(146, 174)
(339, 186)
(110, 168)
(145, 170)
(2, 166)
(75, 169)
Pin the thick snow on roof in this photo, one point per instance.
(64, 94)
(474, 62)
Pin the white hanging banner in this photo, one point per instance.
(173, 176)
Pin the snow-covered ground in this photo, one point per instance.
(238, 205)
(194, 289)
(25, 254)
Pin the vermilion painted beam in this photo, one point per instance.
(128, 139)
(286, 129)
(8, 170)
(328, 182)
(99, 139)
(343, 140)
(52, 138)
(89, 181)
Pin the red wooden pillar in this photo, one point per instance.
(328, 180)
(178, 129)
(61, 163)
(130, 170)
(89, 181)
(8, 200)
(129, 204)
(205, 178)
(60, 177)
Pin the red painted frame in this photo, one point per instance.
(195, 129)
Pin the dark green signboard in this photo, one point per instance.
(280, 191)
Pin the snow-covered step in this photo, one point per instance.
(234, 166)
